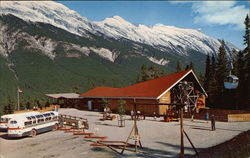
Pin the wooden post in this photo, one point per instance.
(135, 128)
(129, 136)
(18, 104)
(136, 133)
(181, 130)
(191, 143)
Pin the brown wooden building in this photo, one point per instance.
(71, 100)
(159, 90)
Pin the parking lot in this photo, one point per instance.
(159, 139)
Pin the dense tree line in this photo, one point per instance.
(217, 70)
(10, 104)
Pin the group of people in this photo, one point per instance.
(137, 115)
(106, 113)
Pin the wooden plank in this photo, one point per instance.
(95, 137)
(97, 144)
(83, 133)
(108, 141)
(69, 131)
(65, 129)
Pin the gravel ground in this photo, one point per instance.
(159, 139)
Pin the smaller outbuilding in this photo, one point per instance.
(65, 99)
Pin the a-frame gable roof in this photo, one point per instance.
(180, 79)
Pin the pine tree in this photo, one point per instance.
(247, 32)
(212, 88)
(22, 107)
(213, 64)
(154, 72)
(75, 89)
(243, 91)
(142, 75)
(221, 72)
(191, 66)
(105, 103)
(38, 104)
(240, 74)
(246, 83)
(178, 66)
(149, 73)
(187, 67)
(5, 109)
(47, 104)
(91, 84)
(207, 73)
(213, 93)
(235, 62)
(121, 107)
(28, 105)
(239, 65)
(10, 107)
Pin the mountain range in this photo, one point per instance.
(47, 48)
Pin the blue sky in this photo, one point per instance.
(223, 20)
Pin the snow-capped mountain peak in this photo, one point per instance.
(47, 12)
(116, 18)
(162, 37)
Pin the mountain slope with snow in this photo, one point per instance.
(47, 48)
(48, 12)
(165, 38)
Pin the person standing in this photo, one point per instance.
(154, 115)
(138, 115)
(132, 114)
(207, 116)
(105, 114)
(213, 123)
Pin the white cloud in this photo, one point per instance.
(220, 12)
(212, 6)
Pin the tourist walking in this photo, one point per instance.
(213, 123)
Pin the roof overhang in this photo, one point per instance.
(64, 96)
(93, 97)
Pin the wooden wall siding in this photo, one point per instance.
(166, 98)
(145, 109)
(114, 104)
(238, 117)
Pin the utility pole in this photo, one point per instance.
(181, 130)
(18, 103)
(18, 98)
(183, 101)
